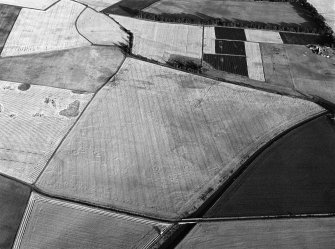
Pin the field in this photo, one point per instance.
(34, 119)
(80, 69)
(276, 65)
(254, 61)
(295, 175)
(99, 4)
(40, 4)
(158, 142)
(160, 41)
(7, 19)
(263, 234)
(313, 74)
(40, 31)
(100, 29)
(57, 224)
(228, 33)
(126, 7)
(241, 11)
(229, 47)
(254, 35)
(326, 9)
(227, 63)
(13, 200)
(300, 39)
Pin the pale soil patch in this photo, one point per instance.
(159, 41)
(263, 234)
(157, 141)
(276, 65)
(101, 29)
(263, 36)
(266, 12)
(39, 31)
(32, 126)
(209, 40)
(81, 69)
(34, 4)
(99, 4)
(254, 61)
(54, 224)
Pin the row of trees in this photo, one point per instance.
(321, 27)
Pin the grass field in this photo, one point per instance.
(254, 61)
(313, 74)
(276, 65)
(13, 200)
(40, 31)
(160, 41)
(40, 4)
(55, 224)
(254, 35)
(157, 141)
(307, 233)
(264, 12)
(295, 175)
(227, 63)
(34, 119)
(101, 29)
(80, 69)
(7, 19)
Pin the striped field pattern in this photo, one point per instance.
(55, 224)
(40, 31)
(158, 142)
(33, 121)
(263, 234)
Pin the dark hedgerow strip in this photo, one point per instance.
(228, 63)
(124, 7)
(229, 47)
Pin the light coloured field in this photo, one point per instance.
(209, 40)
(266, 12)
(276, 65)
(81, 69)
(33, 120)
(326, 9)
(254, 61)
(254, 35)
(159, 41)
(40, 4)
(306, 233)
(39, 31)
(101, 29)
(54, 224)
(99, 4)
(157, 141)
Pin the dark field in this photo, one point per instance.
(230, 34)
(13, 200)
(300, 39)
(128, 7)
(228, 63)
(8, 15)
(229, 47)
(295, 175)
